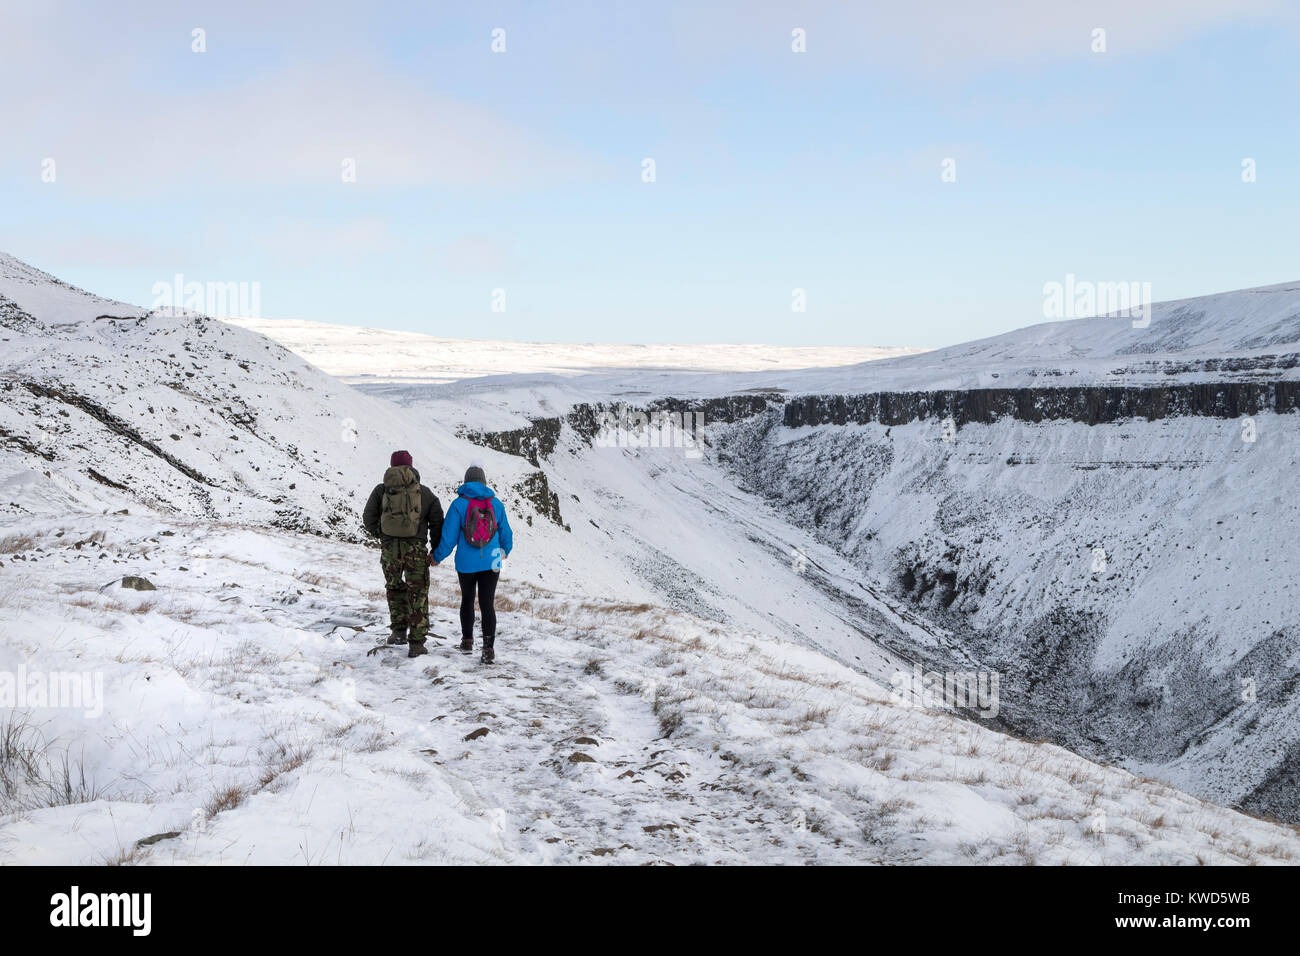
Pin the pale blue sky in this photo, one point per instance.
(775, 170)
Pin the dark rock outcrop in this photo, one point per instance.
(1092, 405)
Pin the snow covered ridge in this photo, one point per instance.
(1248, 334)
(246, 721)
(109, 406)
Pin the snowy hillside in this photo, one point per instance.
(1246, 334)
(699, 652)
(109, 406)
(247, 722)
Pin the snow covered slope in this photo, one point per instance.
(245, 721)
(109, 406)
(1241, 335)
(184, 415)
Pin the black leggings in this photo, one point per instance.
(486, 582)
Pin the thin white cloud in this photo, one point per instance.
(296, 126)
(952, 35)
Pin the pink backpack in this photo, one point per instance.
(480, 522)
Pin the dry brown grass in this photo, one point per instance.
(763, 700)
(247, 658)
(670, 716)
(228, 798)
(881, 762)
(34, 775)
(813, 716)
(1278, 851)
(125, 856)
(17, 543)
(94, 602)
(283, 758)
(615, 608)
(374, 741)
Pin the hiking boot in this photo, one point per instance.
(489, 655)
(416, 649)
(466, 645)
(398, 636)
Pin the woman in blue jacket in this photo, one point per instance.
(477, 529)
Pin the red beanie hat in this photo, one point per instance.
(400, 458)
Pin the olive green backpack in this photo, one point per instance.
(402, 505)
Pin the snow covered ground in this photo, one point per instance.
(109, 404)
(246, 721)
(697, 653)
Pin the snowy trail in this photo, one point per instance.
(577, 761)
(246, 721)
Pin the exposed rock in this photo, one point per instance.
(534, 442)
(1092, 405)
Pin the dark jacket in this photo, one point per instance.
(430, 531)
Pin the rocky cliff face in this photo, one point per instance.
(1091, 405)
(1122, 557)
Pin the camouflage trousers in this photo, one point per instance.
(406, 579)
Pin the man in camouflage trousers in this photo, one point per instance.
(406, 579)
(407, 518)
